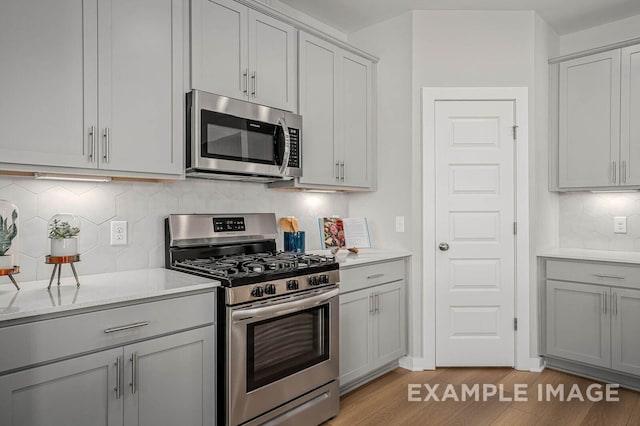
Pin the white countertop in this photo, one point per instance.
(367, 255)
(595, 255)
(33, 299)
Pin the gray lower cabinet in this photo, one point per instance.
(164, 381)
(593, 322)
(372, 330)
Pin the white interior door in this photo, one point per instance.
(475, 276)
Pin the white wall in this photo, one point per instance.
(391, 41)
(602, 35)
(144, 206)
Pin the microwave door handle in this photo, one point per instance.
(287, 145)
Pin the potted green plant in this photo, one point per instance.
(7, 233)
(63, 232)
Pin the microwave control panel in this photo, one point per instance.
(228, 224)
(294, 156)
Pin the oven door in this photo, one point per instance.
(278, 352)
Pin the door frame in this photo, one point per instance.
(523, 360)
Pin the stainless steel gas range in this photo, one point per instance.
(278, 345)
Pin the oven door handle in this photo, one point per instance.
(283, 308)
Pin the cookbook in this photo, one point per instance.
(346, 232)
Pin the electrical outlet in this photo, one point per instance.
(620, 225)
(399, 223)
(118, 232)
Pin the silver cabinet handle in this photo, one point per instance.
(371, 308)
(604, 308)
(614, 172)
(337, 174)
(606, 300)
(118, 387)
(623, 172)
(377, 302)
(254, 84)
(127, 327)
(615, 277)
(614, 303)
(134, 372)
(92, 143)
(245, 81)
(105, 154)
(374, 276)
(342, 168)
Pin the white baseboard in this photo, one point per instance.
(536, 364)
(415, 364)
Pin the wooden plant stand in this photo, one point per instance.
(10, 273)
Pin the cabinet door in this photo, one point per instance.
(272, 62)
(79, 391)
(356, 335)
(630, 111)
(390, 323)
(219, 47)
(578, 322)
(141, 96)
(48, 81)
(625, 338)
(318, 79)
(354, 116)
(589, 121)
(170, 380)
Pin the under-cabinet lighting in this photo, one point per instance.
(321, 191)
(622, 191)
(76, 178)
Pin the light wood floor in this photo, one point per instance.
(385, 401)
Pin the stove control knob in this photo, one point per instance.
(257, 291)
(270, 289)
(324, 279)
(313, 280)
(293, 285)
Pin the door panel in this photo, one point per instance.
(625, 338)
(138, 88)
(79, 391)
(356, 335)
(272, 62)
(173, 378)
(318, 74)
(630, 125)
(578, 322)
(48, 81)
(589, 119)
(474, 216)
(390, 318)
(354, 118)
(219, 47)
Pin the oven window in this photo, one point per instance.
(232, 138)
(279, 347)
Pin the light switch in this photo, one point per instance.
(399, 223)
(620, 225)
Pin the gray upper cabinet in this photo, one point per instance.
(596, 140)
(242, 53)
(92, 85)
(336, 103)
(48, 81)
(589, 117)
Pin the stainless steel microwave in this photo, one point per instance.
(238, 140)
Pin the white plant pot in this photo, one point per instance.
(64, 247)
(6, 261)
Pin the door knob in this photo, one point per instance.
(443, 246)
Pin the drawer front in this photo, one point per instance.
(42, 341)
(364, 276)
(594, 273)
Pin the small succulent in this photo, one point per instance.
(7, 232)
(59, 230)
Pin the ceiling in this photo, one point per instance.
(565, 16)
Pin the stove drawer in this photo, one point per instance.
(48, 340)
(370, 275)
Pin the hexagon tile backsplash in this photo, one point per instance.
(586, 220)
(144, 206)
